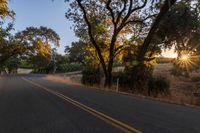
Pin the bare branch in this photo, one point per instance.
(149, 59)
(127, 15)
(139, 7)
(116, 49)
(121, 12)
(140, 21)
(111, 11)
(135, 21)
(119, 50)
(130, 11)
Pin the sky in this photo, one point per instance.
(169, 53)
(49, 13)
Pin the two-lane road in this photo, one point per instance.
(29, 104)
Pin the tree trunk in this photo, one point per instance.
(140, 72)
(108, 81)
(164, 9)
(108, 77)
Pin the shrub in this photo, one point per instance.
(124, 79)
(25, 64)
(195, 79)
(158, 85)
(133, 79)
(178, 71)
(91, 76)
(69, 68)
(62, 68)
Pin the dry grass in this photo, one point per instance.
(182, 89)
(62, 79)
(74, 80)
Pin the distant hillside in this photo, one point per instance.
(160, 60)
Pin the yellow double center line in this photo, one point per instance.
(116, 123)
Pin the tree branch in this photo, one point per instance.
(111, 11)
(140, 21)
(164, 9)
(119, 50)
(149, 59)
(139, 7)
(121, 12)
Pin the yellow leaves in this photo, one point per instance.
(42, 48)
(125, 31)
(4, 11)
(93, 58)
(150, 55)
(3, 7)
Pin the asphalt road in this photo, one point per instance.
(29, 104)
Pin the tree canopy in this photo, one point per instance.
(38, 42)
(107, 22)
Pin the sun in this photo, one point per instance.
(185, 61)
(184, 57)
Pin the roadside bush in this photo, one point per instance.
(133, 79)
(195, 79)
(158, 85)
(68, 68)
(124, 79)
(63, 68)
(25, 64)
(91, 76)
(38, 70)
(177, 71)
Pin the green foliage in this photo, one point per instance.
(63, 68)
(181, 28)
(33, 34)
(158, 85)
(38, 42)
(171, 31)
(91, 76)
(8, 46)
(107, 25)
(61, 59)
(25, 64)
(77, 52)
(12, 64)
(39, 70)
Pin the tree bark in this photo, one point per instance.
(108, 78)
